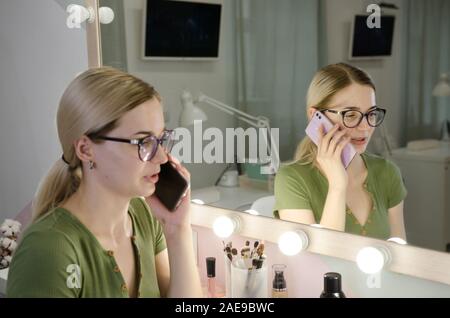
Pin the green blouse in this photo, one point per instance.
(303, 186)
(59, 257)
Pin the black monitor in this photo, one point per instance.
(181, 30)
(375, 43)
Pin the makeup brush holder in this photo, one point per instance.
(248, 283)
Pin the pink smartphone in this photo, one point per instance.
(348, 153)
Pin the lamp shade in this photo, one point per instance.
(190, 113)
(442, 88)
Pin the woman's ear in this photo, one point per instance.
(310, 112)
(83, 149)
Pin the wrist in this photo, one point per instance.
(338, 189)
(176, 231)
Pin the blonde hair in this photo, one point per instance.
(326, 83)
(92, 104)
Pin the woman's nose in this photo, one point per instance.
(160, 156)
(364, 124)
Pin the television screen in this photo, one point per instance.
(181, 29)
(371, 43)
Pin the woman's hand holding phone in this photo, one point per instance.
(180, 216)
(330, 147)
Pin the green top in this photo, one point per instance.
(303, 186)
(59, 257)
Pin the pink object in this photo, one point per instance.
(348, 153)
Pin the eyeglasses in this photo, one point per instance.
(147, 146)
(352, 118)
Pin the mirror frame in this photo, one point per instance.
(405, 259)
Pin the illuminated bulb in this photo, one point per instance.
(252, 212)
(397, 240)
(224, 226)
(197, 201)
(106, 15)
(371, 260)
(292, 242)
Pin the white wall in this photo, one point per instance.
(39, 56)
(216, 79)
(386, 73)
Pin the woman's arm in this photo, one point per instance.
(184, 279)
(176, 267)
(396, 221)
(163, 272)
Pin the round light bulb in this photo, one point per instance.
(224, 226)
(397, 240)
(106, 15)
(292, 242)
(371, 260)
(252, 212)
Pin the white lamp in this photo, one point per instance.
(191, 113)
(291, 243)
(372, 260)
(80, 14)
(225, 226)
(442, 89)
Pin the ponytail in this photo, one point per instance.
(55, 188)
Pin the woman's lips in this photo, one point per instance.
(153, 178)
(359, 141)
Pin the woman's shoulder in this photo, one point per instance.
(296, 168)
(380, 165)
(55, 229)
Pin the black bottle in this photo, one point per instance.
(332, 287)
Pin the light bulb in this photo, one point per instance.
(106, 15)
(252, 212)
(397, 240)
(292, 242)
(371, 260)
(224, 226)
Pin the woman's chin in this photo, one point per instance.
(360, 148)
(147, 191)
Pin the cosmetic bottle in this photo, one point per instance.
(211, 273)
(279, 287)
(332, 286)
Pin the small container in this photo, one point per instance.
(211, 273)
(248, 283)
(279, 287)
(332, 286)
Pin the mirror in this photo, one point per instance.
(269, 52)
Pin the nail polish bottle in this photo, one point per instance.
(332, 286)
(279, 287)
(211, 273)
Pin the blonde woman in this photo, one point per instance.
(367, 197)
(94, 234)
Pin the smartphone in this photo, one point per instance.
(348, 153)
(171, 186)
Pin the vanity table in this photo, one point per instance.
(427, 206)
(238, 198)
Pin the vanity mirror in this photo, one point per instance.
(263, 73)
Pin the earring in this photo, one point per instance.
(91, 165)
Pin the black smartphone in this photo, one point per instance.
(170, 187)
